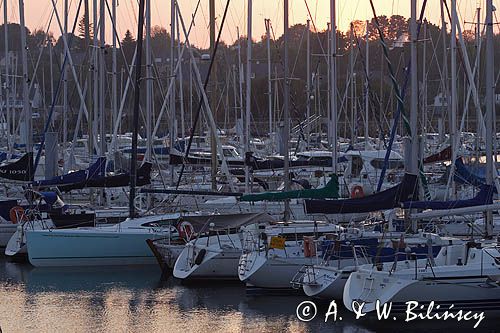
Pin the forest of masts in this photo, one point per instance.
(355, 80)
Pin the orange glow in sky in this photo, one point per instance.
(38, 12)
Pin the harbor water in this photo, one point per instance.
(138, 299)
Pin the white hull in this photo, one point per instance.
(325, 282)
(466, 293)
(50, 248)
(467, 284)
(120, 244)
(220, 261)
(215, 266)
(259, 272)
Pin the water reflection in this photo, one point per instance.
(136, 299)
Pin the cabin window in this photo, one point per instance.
(378, 163)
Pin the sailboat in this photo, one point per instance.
(120, 244)
(462, 276)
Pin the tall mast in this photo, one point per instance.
(352, 84)
(181, 78)
(367, 105)
(88, 97)
(214, 97)
(308, 83)
(7, 74)
(95, 66)
(65, 90)
(269, 84)
(478, 63)
(240, 89)
(490, 106)
(286, 110)
(413, 167)
(454, 96)
(328, 81)
(51, 69)
(26, 102)
(149, 81)
(333, 84)
(102, 77)
(135, 122)
(248, 101)
(114, 86)
(172, 77)
(445, 96)
(424, 81)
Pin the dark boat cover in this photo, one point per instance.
(390, 198)
(93, 171)
(483, 197)
(120, 180)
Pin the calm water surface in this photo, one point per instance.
(136, 299)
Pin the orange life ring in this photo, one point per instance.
(17, 214)
(186, 230)
(357, 192)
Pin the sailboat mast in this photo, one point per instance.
(454, 91)
(413, 158)
(135, 122)
(333, 84)
(173, 8)
(88, 97)
(269, 84)
(7, 74)
(26, 102)
(490, 107)
(445, 93)
(65, 90)
(308, 83)
(114, 85)
(352, 84)
(102, 77)
(149, 82)
(95, 66)
(248, 96)
(214, 97)
(367, 105)
(286, 110)
(478, 63)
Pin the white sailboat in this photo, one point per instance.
(464, 275)
(120, 244)
(265, 266)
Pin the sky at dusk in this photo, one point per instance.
(38, 13)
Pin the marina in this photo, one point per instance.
(163, 169)
(114, 299)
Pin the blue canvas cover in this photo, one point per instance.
(483, 197)
(469, 175)
(93, 171)
(390, 198)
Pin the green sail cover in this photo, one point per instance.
(330, 191)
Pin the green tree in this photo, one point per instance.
(128, 45)
(81, 27)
